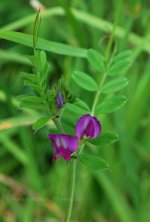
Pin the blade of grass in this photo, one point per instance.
(94, 21)
(19, 121)
(59, 48)
(118, 203)
(13, 148)
(6, 55)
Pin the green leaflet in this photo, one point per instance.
(115, 85)
(111, 105)
(29, 76)
(35, 106)
(95, 59)
(104, 139)
(93, 162)
(33, 86)
(30, 98)
(85, 81)
(120, 63)
(82, 104)
(43, 60)
(75, 108)
(41, 122)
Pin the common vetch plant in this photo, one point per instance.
(53, 100)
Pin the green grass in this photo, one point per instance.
(31, 187)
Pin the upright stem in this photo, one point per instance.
(71, 190)
(98, 94)
(72, 174)
(107, 53)
(58, 125)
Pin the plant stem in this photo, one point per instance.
(72, 174)
(107, 53)
(58, 125)
(98, 94)
(71, 190)
(118, 11)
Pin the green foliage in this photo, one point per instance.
(120, 63)
(93, 162)
(79, 107)
(106, 138)
(111, 105)
(115, 85)
(85, 81)
(41, 122)
(42, 44)
(96, 60)
(25, 158)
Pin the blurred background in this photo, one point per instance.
(31, 187)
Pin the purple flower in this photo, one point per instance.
(88, 126)
(60, 101)
(63, 145)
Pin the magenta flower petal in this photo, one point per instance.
(63, 145)
(88, 126)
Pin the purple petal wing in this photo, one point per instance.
(97, 127)
(71, 143)
(68, 142)
(64, 153)
(53, 137)
(81, 125)
(90, 128)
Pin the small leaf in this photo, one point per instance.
(35, 106)
(115, 85)
(33, 86)
(75, 108)
(29, 76)
(42, 59)
(41, 122)
(93, 162)
(104, 139)
(85, 81)
(44, 73)
(111, 105)
(82, 104)
(36, 29)
(30, 98)
(96, 60)
(126, 54)
(120, 63)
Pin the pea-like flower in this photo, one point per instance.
(88, 126)
(64, 145)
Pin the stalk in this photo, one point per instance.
(70, 198)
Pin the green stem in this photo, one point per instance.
(108, 49)
(107, 53)
(71, 190)
(58, 125)
(72, 174)
(98, 94)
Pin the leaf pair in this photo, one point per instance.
(94, 162)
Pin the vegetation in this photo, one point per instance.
(70, 39)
